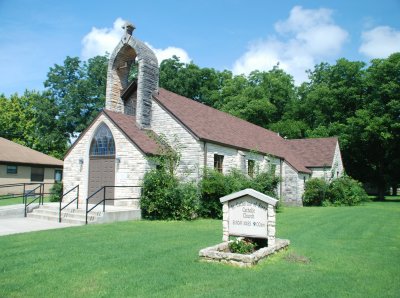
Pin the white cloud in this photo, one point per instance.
(304, 39)
(380, 42)
(168, 52)
(99, 41)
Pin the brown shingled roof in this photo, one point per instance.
(315, 152)
(209, 124)
(139, 137)
(11, 152)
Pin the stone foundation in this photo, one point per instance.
(220, 253)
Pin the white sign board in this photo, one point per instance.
(248, 217)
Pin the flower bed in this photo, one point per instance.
(220, 253)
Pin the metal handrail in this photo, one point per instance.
(40, 197)
(103, 201)
(70, 202)
(23, 186)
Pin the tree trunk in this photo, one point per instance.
(381, 193)
(394, 189)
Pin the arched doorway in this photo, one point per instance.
(102, 164)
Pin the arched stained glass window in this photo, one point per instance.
(103, 142)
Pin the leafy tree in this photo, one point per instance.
(289, 128)
(31, 120)
(78, 89)
(373, 133)
(190, 80)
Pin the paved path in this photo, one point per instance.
(18, 225)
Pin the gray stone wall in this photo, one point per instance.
(129, 171)
(127, 52)
(291, 195)
(191, 152)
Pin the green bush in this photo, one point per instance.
(164, 197)
(315, 192)
(242, 246)
(341, 191)
(215, 185)
(346, 191)
(56, 191)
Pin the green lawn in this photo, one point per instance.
(353, 252)
(17, 200)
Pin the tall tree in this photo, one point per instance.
(373, 134)
(78, 90)
(31, 120)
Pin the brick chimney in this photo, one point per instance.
(132, 96)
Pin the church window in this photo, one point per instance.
(103, 142)
(218, 162)
(250, 167)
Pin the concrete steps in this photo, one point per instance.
(50, 212)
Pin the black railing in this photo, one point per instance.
(32, 193)
(19, 190)
(104, 199)
(70, 202)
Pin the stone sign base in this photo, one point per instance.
(220, 253)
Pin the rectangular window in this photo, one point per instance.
(218, 162)
(250, 167)
(37, 174)
(12, 169)
(57, 175)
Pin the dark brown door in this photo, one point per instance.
(101, 173)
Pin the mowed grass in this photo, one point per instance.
(6, 200)
(334, 252)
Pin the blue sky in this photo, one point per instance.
(237, 35)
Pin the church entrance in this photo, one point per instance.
(102, 165)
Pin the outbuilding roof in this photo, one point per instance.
(11, 152)
(317, 152)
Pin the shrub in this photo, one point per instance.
(215, 185)
(315, 192)
(164, 197)
(212, 187)
(56, 191)
(341, 191)
(346, 191)
(186, 202)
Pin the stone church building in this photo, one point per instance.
(114, 149)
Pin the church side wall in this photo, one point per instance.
(129, 171)
(337, 164)
(238, 159)
(291, 187)
(163, 123)
(322, 173)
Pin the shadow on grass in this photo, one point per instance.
(387, 199)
